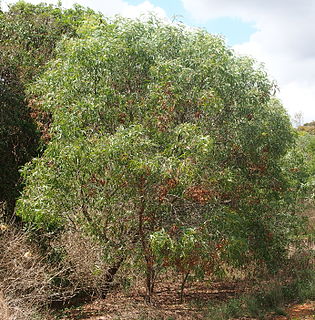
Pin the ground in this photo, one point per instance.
(166, 305)
(304, 311)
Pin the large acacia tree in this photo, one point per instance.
(165, 147)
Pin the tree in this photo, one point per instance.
(297, 119)
(166, 147)
(28, 36)
(306, 146)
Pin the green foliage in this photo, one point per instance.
(28, 36)
(305, 159)
(189, 252)
(165, 146)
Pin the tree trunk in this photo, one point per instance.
(110, 275)
(150, 272)
(150, 278)
(182, 287)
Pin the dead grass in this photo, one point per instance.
(4, 308)
(24, 278)
(84, 257)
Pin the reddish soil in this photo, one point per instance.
(166, 304)
(131, 309)
(304, 311)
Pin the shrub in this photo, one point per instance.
(161, 130)
(28, 36)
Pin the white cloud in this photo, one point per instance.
(109, 8)
(296, 96)
(284, 41)
(143, 9)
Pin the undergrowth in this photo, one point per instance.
(271, 300)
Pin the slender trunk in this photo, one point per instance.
(7, 212)
(111, 272)
(182, 287)
(150, 272)
(110, 275)
(150, 277)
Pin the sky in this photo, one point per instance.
(280, 34)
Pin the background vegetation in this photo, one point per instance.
(28, 36)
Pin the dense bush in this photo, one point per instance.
(28, 36)
(166, 148)
(18, 134)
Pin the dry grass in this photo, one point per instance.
(28, 284)
(82, 264)
(4, 308)
(16, 309)
(24, 278)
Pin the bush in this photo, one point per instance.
(28, 36)
(294, 284)
(165, 146)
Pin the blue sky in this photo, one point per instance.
(280, 34)
(233, 29)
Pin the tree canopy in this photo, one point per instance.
(165, 147)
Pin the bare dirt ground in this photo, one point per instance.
(304, 311)
(166, 305)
